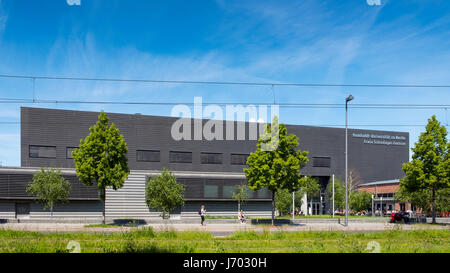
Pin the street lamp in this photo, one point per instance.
(372, 206)
(347, 100)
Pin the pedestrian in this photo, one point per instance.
(202, 214)
(241, 217)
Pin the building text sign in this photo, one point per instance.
(381, 139)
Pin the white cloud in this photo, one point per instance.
(73, 2)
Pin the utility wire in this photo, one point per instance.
(292, 105)
(225, 82)
(313, 125)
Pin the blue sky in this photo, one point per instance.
(341, 42)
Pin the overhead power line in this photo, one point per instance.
(292, 105)
(33, 77)
(317, 125)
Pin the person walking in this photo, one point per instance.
(241, 217)
(202, 213)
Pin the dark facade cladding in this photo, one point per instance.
(48, 136)
(13, 186)
(210, 170)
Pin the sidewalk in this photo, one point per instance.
(220, 228)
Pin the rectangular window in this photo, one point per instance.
(147, 156)
(264, 193)
(211, 158)
(239, 159)
(42, 151)
(69, 151)
(211, 191)
(322, 162)
(180, 157)
(228, 191)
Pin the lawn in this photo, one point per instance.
(147, 240)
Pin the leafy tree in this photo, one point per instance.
(360, 201)
(430, 165)
(241, 194)
(339, 193)
(162, 192)
(311, 187)
(276, 163)
(423, 198)
(102, 158)
(283, 201)
(49, 188)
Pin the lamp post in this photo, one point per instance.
(333, 196)
(347, 100)
(372, 206)
(293, 205)
(381, 204)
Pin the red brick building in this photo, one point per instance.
(383, 195)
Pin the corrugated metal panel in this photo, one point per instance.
(129, 201)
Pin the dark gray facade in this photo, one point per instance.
(63, 129)
(209, 169)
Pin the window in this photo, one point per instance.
(69, 151)
(322, 162)
(228, 191)
(42, 151)
(385, 195)
(211, 158)
(211, 191)
(264, 193)
(180, 157)
(147, 156)
(239, 159)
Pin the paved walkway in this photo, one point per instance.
(223, 229)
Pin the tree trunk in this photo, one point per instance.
(273, 208)
(433, 208)
(239, 206)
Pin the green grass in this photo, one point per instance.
(168, 241)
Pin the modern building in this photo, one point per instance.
(383, 194)
(210, 169)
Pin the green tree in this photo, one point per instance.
(162, 192)
(102, 158)
(283, 201)
(241, 194)
(339, 193)
(360, 201)
(276, 163)
(311, 188)
(430, 165)
(49, 188)
(422, 198)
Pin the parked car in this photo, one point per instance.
(400, 216)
